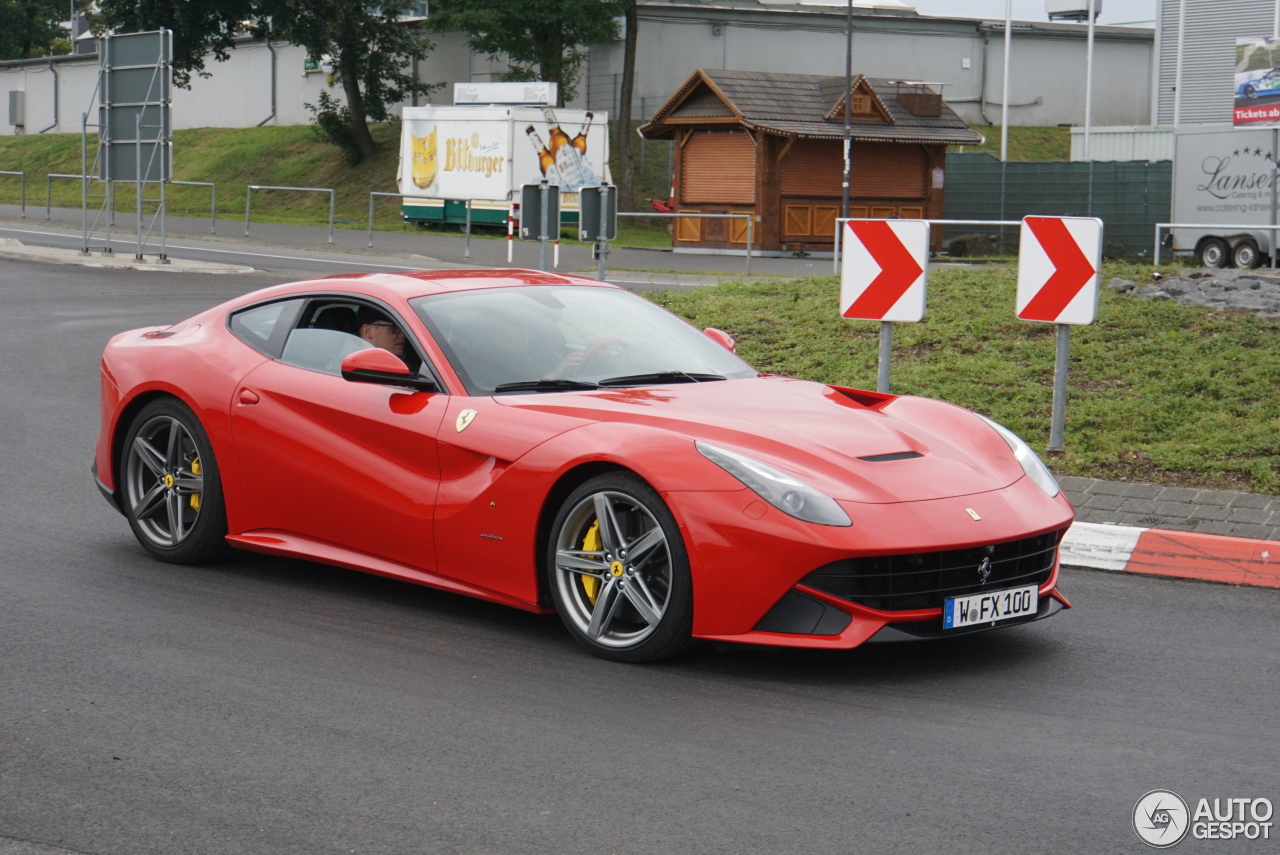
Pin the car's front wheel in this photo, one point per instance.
(618, 570)
(171, 492)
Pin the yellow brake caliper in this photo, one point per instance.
(195, 497)
(591, 543)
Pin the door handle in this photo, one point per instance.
(248, 396)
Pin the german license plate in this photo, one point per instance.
(989, 607)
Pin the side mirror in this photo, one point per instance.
(375, 365)
(721, 338)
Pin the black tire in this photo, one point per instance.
(1246, 255)
(1250, 91)
(169, 485)
(1213, 252)
(624, 592)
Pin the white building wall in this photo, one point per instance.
(1046, 79)
(964, 55)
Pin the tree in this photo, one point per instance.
(541, 39)
(626, 164)
(368, 44)
(32, 28)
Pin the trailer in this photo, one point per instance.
(450, 156)
(1224, 175)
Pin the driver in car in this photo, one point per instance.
(373, 327)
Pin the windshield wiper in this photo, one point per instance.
(660, 377)
(558, 384)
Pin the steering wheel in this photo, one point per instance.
(600, 352)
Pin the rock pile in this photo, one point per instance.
(1256, 291)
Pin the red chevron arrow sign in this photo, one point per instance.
(1058, 261)
(882, 277)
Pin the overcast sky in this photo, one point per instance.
(1113, 11)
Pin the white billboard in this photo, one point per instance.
(487, 153)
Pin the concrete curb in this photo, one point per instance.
(1178, 554)
(18, 251)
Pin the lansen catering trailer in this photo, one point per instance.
(484, 154)
(1223, 175)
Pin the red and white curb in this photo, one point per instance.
(1185, 555)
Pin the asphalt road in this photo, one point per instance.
(272, 706)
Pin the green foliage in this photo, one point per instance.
(371, 49)
(333, 124)
(541, 39)
(1158, 392)
(30, 28)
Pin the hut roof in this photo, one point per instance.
(808, 106)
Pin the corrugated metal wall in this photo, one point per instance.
(1209, 54)
(1130, 198)
(1124, 143)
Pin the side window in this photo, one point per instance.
(264, 327)
(326, 333)
(328, 329)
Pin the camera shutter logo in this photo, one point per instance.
(1161, 819)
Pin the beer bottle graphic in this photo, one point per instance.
(424, 163)
(546, 162)
(568, 158)
(580, 141)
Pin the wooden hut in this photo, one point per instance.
(772, 145)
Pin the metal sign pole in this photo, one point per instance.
(544, 195)
(602, 244)
(84, 184)
(1058, 424)
(137, 178)
(886, 354)
(466, 251)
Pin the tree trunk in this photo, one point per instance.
(355, 104)
(626, 166)
(553, 65)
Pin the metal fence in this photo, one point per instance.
(248, 201)
(1129, 197)
(23, 177)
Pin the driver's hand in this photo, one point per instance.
(567, 367)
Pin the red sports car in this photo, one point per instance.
(555, 443)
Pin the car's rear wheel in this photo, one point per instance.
(618, 571)
(171, 492)
(1250, 91)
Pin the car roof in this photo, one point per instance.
(419, 283)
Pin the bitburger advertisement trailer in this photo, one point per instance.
(449, 155)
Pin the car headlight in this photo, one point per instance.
(1031, 464)
(778, 488)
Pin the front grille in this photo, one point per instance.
(895, 583)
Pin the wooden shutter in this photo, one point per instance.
(887, 171)
(814, 168)
(718, 168)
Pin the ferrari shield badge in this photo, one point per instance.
(464, 418)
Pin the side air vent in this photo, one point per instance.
(885, 458)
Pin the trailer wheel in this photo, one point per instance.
(1246, 255)
(1213, 252)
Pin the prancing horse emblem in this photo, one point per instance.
(464, 419)
(984, 571)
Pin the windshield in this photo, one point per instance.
(497, 338)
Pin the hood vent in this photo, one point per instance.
(885, 458)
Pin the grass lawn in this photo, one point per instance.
(1025, 143)
(1158, 392)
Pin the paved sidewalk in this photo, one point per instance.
(1216, 512)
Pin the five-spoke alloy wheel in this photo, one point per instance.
(170, 488)
(618, 570)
